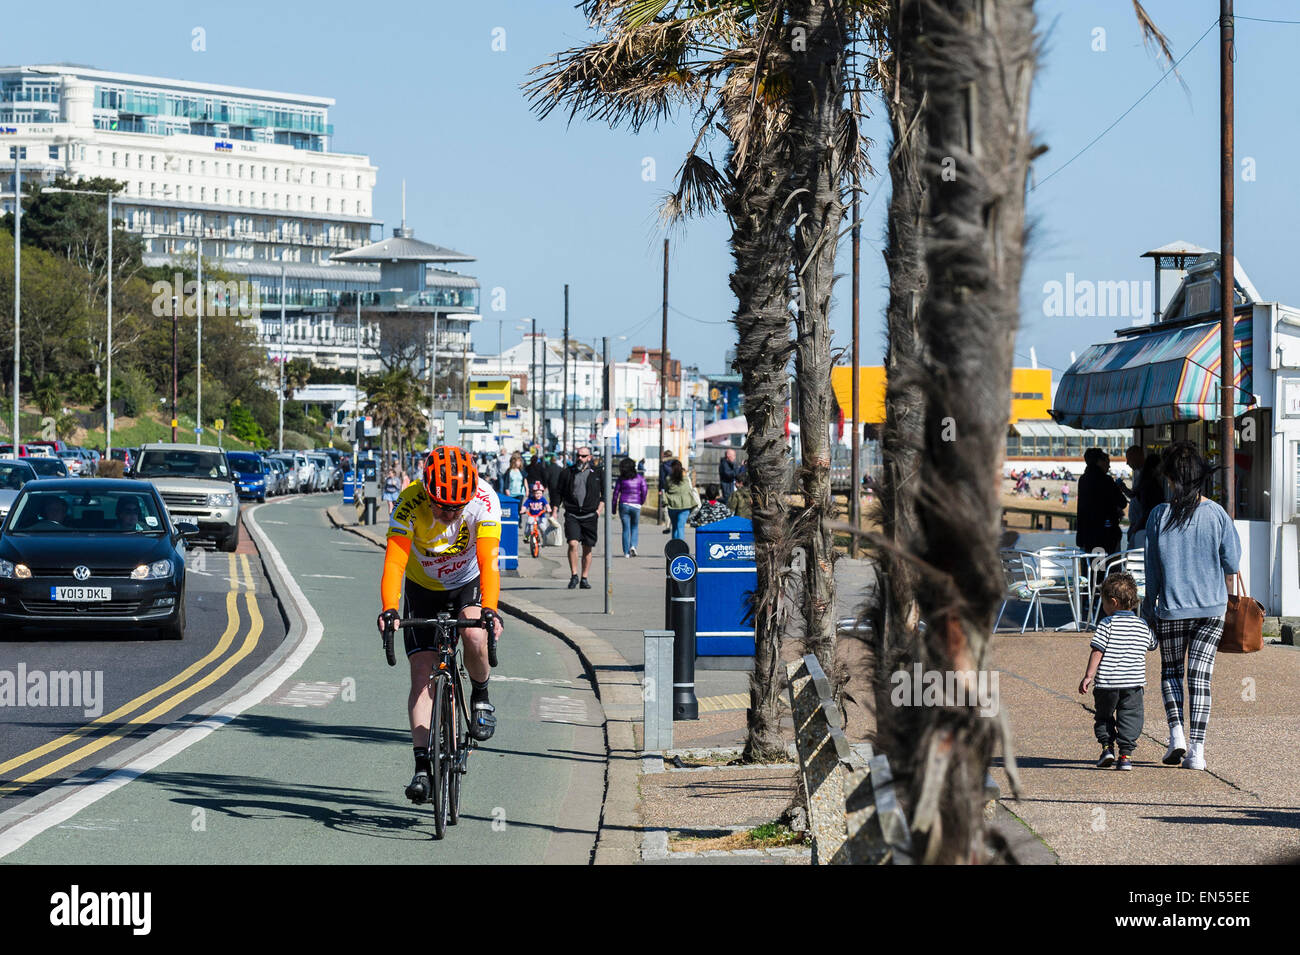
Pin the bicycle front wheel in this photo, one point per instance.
(440, 762)
(458, 735)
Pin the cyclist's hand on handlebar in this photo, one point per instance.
(494, 618)
(388, 620)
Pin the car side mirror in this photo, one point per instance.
(187, 529)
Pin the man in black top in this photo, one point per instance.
(1101, 502)
(727, 471)
(580, 489)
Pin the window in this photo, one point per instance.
(54, 152)
(114, 159)
(153, 163)
(313, 177)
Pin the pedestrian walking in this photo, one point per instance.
(680, 499)
(1191, 552)
(1117, 671)
(392, 488)
(580, 490)
(727, 471)
(629, 494)
(516, 480)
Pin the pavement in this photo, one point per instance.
(1244, 809)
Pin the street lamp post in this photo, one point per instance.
(18, 268)
(108, 375)
(198, 397)
(280, 443)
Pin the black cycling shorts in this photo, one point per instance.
(421, 602)
(580, 528)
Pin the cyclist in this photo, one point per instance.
(443, 537)
(536, 510)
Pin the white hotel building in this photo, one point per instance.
(249, 173)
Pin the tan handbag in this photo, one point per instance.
(1243, 624)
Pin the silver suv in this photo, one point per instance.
(197, 485)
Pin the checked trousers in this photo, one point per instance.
(1190, 645)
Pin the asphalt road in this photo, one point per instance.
(314, 773)
(130, 683)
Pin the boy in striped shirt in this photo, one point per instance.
(1117, 670)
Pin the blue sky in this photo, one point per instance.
(421, 91)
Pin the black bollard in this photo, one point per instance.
(672, 549)
(371, 509)
(681, 590)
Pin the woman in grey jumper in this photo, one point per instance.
(1192, 551)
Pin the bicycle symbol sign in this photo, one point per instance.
(682, 568)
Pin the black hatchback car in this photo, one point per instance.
(93, 553)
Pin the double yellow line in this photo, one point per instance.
(240, 576)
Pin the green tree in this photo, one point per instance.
(240, 423)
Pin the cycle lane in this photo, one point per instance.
(314, 773)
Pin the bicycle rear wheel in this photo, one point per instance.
(439, 762)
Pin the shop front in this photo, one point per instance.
(1162, 381)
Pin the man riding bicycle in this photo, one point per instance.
(443, 537)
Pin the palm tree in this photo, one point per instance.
(736, 60)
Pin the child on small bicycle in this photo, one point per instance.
(537, 510)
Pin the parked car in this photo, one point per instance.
(49, 467)
(303, 470)
(125, 455)
(75, 462)
(279, 475)
(7, 451)
(324, 471)
(95, 554)
(54, 446)
(197, 485)
(250, 475)
(13, 475)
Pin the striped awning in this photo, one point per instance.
(1154, 378)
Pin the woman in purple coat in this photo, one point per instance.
(629, 495)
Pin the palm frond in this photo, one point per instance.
(701, 189)
(1155, 40)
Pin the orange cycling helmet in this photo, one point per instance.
(450, 476)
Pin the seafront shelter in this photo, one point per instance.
(1162, 382)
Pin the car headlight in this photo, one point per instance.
(159, 568)
(220, 500)
(19, 571)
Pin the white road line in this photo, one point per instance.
(331, 576)
(83, 794)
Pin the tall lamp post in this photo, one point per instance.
(198, 397)
(108, 376)
(280, 443)
(18, 269)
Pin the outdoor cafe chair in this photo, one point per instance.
(1022, 581)
(1130, 562)
(1059, 565)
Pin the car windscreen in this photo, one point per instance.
(246, 463)
(209, 465)
(71, 512)
(14, 475)
(49, 467)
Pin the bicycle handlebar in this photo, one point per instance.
(447, 623)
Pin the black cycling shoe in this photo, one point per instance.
(584, 584)
(484, 723)
(573, 581)
(420, 788)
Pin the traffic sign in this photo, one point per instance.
(682, 568)
(219, 424)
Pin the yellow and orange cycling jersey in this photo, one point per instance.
(445, 556)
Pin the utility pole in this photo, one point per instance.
(280, 443)
(663, 389)
(564, 379)
(855, 465)
(544, 351)
(433, 377)
(532, 380)
(1227, 372)
(609, 470)
(176, 318)
(356, 393)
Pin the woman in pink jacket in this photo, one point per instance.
(629, 495)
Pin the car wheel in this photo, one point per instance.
(176, 629)
(262, 499)
(229, 544)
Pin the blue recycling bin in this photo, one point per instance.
(508, 553)
(728, 575)
(350, 491)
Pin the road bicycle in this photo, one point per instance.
(449, 741)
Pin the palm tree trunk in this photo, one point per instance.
(818, 116)
(895, 614)
(975, 61)
(761, 249)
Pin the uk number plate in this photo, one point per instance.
(81, 593)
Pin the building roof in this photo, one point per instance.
(1050, 429)
(332, 273)
(66, 69)
(125, 199)
(445, 278)
(402, 248)
(1177, 247)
